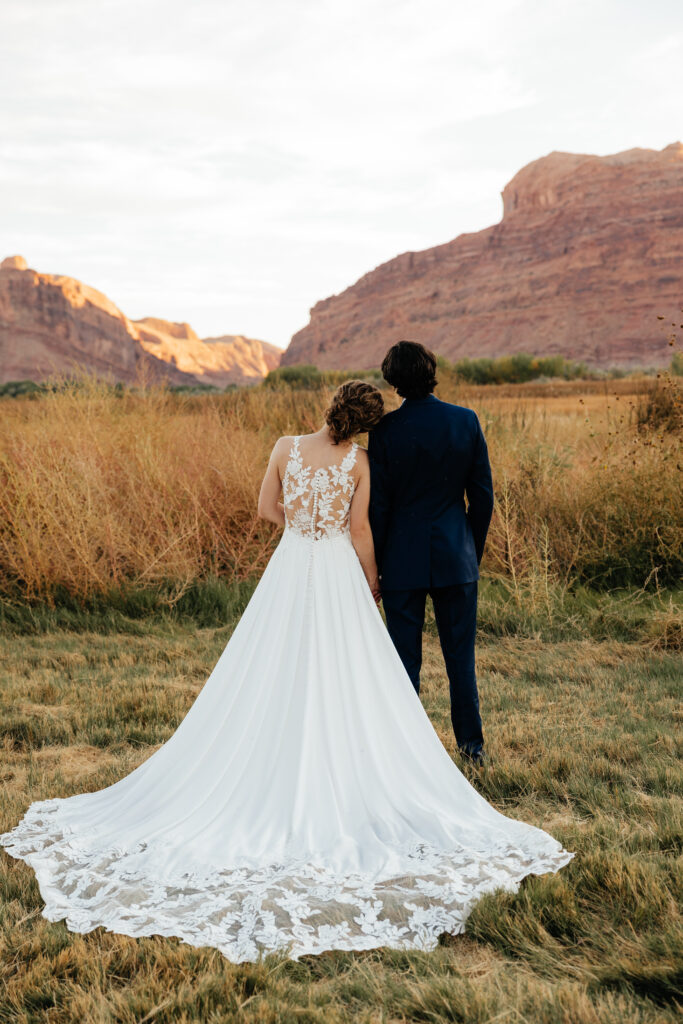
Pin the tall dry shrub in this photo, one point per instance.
(100, 489)
(579, 499)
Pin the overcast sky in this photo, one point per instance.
(229, 164)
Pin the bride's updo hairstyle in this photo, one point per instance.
(356, 406)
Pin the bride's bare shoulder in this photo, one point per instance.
(284, 443)
(362, 460)
(281, 450)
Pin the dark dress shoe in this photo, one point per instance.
(478, 758)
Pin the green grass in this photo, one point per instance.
(537, 609)
(580, 718)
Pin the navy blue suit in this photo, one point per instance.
(424, 458)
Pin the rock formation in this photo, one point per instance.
(589, 252)
(230, 359)
(51, 324)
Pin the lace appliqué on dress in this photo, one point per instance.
(317, 501)
(295, 908)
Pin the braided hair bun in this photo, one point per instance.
(356, 406)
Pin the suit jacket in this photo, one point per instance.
(424, 458)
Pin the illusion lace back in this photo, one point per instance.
(305, 802)
(317, 501)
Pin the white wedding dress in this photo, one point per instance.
(305, 802)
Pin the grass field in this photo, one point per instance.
(580, 718)
(104, 491)
(129, 546)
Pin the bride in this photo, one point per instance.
(305, 802)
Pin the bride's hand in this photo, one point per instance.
(375, 589)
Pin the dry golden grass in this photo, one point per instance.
(102, 491)
(583, 743)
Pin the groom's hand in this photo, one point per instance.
(375, 589)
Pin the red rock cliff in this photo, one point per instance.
(588, 253)
(53, 324)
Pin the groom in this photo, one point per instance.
(424, 458)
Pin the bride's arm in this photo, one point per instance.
(269, 505)
(359, 525)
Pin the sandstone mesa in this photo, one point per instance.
(54, 324)
(588, 253)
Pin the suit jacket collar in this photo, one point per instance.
(418, 401)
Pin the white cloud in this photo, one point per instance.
(229, 165)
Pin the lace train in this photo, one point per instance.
(297, 908)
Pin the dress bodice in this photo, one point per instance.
(317, 501)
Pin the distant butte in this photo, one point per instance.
(588, 253)
(52, 324)
(230, 359)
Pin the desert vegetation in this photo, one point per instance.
(111, 491)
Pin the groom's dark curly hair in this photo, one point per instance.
(410, 368)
